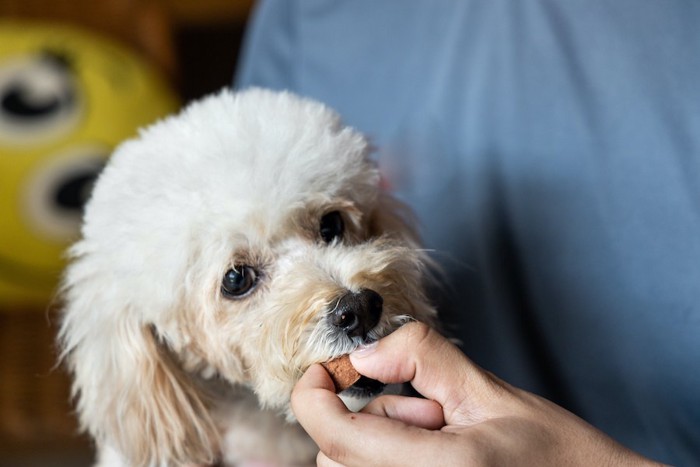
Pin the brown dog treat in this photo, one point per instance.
(342, 372)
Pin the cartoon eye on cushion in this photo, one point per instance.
(67, 98)
(38, 99)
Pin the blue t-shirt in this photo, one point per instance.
(552, 152)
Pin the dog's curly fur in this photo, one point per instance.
(168, 367)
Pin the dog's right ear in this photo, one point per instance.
(131, 396)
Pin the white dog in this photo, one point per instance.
(223, 252)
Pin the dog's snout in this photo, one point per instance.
(356, 313)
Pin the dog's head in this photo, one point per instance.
(244, 239)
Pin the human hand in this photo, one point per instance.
(468, 416)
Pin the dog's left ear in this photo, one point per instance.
(395, 220)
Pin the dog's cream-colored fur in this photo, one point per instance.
(167, 369)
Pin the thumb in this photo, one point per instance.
(434, 366)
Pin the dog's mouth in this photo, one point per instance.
(365, 387)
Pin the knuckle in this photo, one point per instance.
(296, 398)
(418, 332)
(423, 338)
(334, 451)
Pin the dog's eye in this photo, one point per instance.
(238, 281)
(332, 226)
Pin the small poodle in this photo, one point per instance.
(223, 252)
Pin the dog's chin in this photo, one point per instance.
(361, 393)
(365, 387)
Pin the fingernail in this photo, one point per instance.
(365, 349)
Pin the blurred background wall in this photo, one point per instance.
(76, 78)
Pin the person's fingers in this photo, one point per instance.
(423, 413)
(356, 438)
(435, 367)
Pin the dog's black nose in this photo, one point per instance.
(356, 313)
